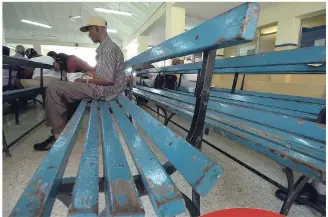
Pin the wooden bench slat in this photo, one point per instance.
(24, 62)
(121, 195)
(276, 103)
(300, 56)
(14, 94)
(164, 196)
(302, 127)
(233, 27)
(275, 96)
(199, 171)
(280, 69)
(281, 111)
(295, 106)
(39, 195)
(285, 139)
(85, 191)
(255, 142)
(288, 98)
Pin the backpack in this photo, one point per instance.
(322, 116)
(165, 82)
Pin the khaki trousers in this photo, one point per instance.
(26, 83)
(61, 93)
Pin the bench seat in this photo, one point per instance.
(20, 93)
(298, 144)
(122, 197)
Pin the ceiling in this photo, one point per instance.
(196, 13)
(57, 15)
(63, 29)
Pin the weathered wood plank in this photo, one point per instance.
(121, 195)
(39, 195)
(164, 196)
(85, 191)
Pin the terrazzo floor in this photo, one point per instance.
(237, 187)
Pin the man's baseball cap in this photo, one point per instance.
(94, 21)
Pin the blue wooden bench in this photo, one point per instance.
(122, 190)
(279, 127)
(288, 62)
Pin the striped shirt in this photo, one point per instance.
(110, 67)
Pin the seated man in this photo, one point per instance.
(48, 74)
(108, 82)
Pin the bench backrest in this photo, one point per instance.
(281, 62)
(234, 27)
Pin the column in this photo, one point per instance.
(175, 22)
(142, 43)
(288, 35)
(37, 47)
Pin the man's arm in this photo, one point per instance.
(97, 81)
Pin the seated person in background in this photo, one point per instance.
(148, 79)
(5, 72)
(71, 63)
(48, 74)
(20, 52)
(52, 54)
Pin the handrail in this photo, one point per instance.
(280, 62)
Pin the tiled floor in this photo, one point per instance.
(237, 187)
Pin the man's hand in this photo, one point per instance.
(90, 74)
(80, 80)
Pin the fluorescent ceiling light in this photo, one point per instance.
(112, 30)
(113, 11)
(36, 23)
(76, 17)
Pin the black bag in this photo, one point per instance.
(322, 116)
(165, 82)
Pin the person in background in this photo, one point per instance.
(34, 74)
(20, 52)
(52, 54)
(72, 63)
(5, 72)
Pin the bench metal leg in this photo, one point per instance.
(196, 203)
(234, 83)
(167, 119)
(293, 190)
(157, 109)
(5, 145)
(203, 89)
(207, 131)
